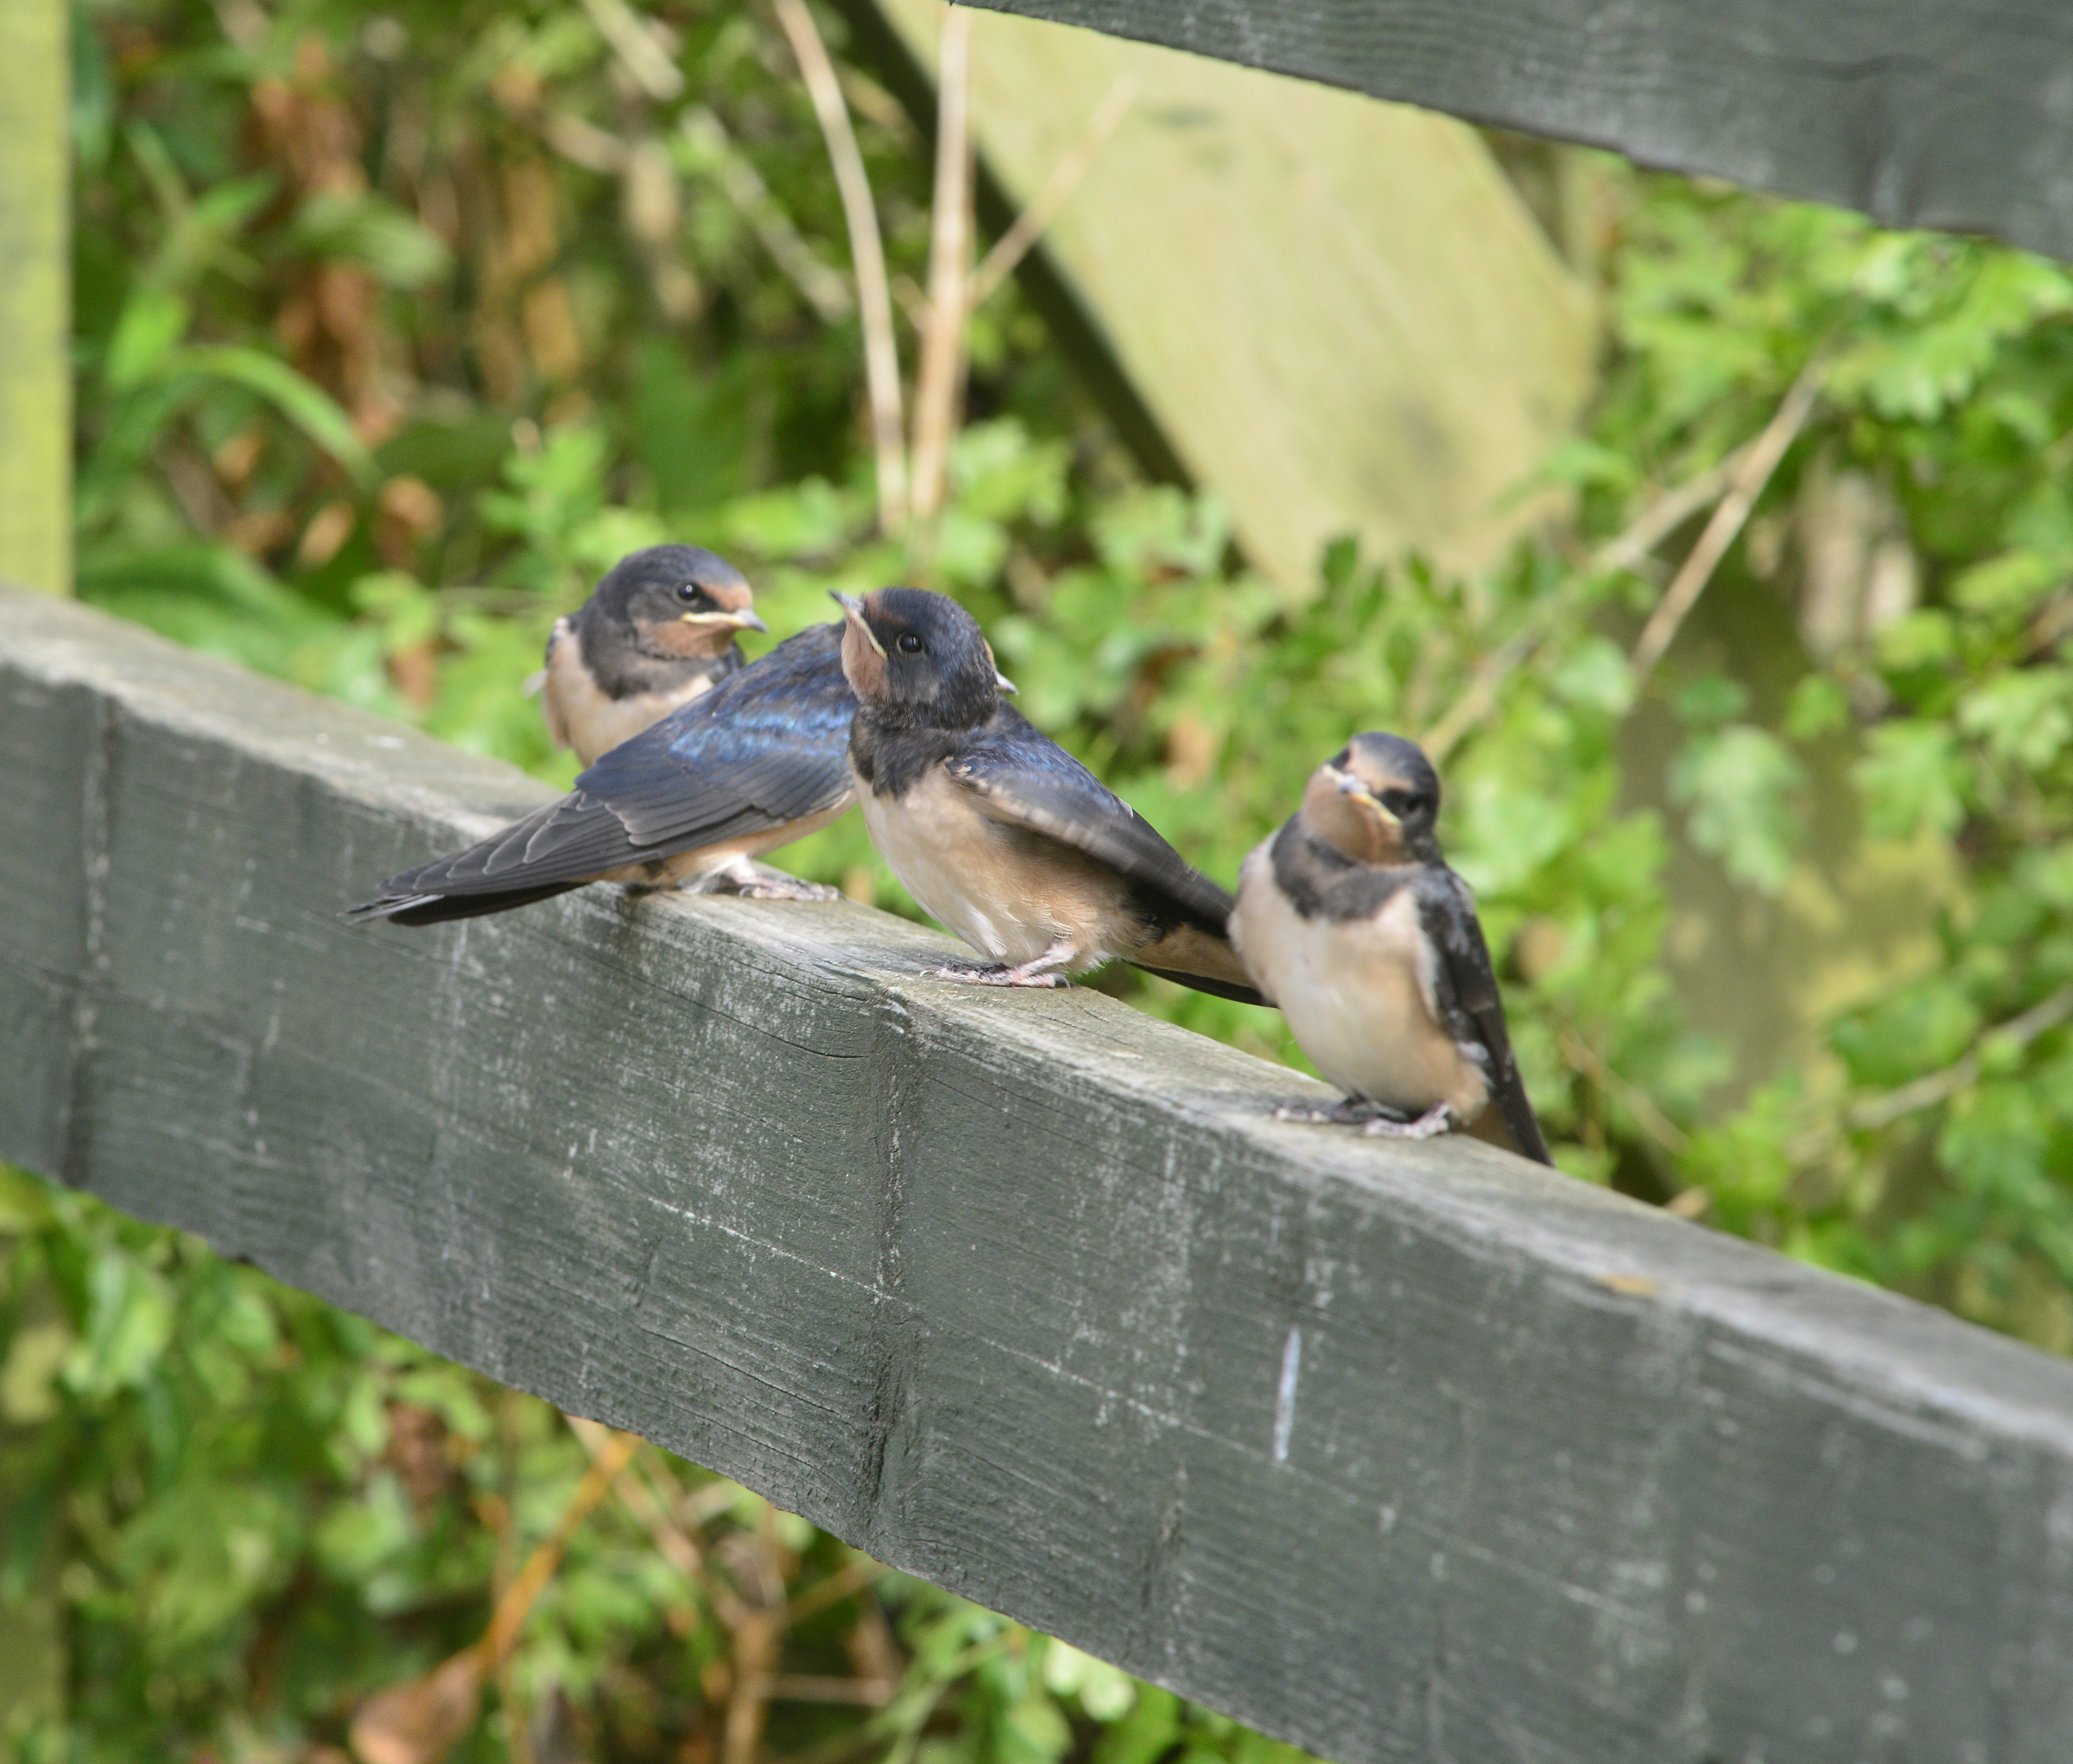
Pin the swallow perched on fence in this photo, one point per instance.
(758, 761)
(1349, 919)
(997, 830)
(657, 631)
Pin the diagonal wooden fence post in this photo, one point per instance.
(35, 376)
(35, 545)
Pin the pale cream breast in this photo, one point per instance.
(580, 716)
(1011, 898)
(1358, 995)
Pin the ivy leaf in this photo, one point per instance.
(2025, 718)
(129, 1321)
(1911, 778)
(1921, 1030)
(1738, 785)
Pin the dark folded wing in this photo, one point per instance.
(1448, 910)
(767, 746)
(1023, 775)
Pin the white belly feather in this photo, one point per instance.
(1358, 993)
(1006, 901)
(580, 716)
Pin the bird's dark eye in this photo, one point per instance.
(909, 642)
(686, 591)
(1402, 803)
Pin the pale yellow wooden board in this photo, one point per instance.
(1339, 310)
(36, 370)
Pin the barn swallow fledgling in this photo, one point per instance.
(997, 830)
(657, 631)
(758, 761)
(1349, 919)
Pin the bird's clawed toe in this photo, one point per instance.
(973, 973)
(1305, 1113)
(1347, 1112)
(753, 881)
(1436, 1119)
(1375, 1118)
(777, 886)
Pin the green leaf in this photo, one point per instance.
(1035, 1730)
(1818, 706)
(2026, 718)
(153, 321)
(1920, 1030)
(969, 548)
(1910, 777)
(396, 247)
(1103, 1691)
(129, 1321)
(999, 473)
(28, 1372)
(304, 402)
(1595, 675)
(1739, 786)
(2012, 586)
(1711, 698)
(809, 519)
(26, 1202)
(1161, 528)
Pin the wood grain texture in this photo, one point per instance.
(1401, 1452)
(1947, 113)
(1341, 313)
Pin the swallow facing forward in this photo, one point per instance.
(657, 631)
(997, 830)
(1349, 919)
(758, 761)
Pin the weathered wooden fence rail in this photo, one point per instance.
(1950, 113)
(1403, 1452)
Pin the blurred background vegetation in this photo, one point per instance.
(397, 324)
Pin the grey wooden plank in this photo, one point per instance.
(1399, 1451)
(1946, 113)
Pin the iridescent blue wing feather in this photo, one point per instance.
(764, 748)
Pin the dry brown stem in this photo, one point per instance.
(867, 251)
(1627, 550)
(1653, 1121)
(826, 290)
(1013, 245)
(1751, 475)
(632, 40)
(1963, 1074)
(420, 1722)
(940, 380)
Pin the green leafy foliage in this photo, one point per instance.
(395, 327)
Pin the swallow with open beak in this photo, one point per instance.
(997, 830)
(1349, 919)
(657, 631)
(754, 762)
